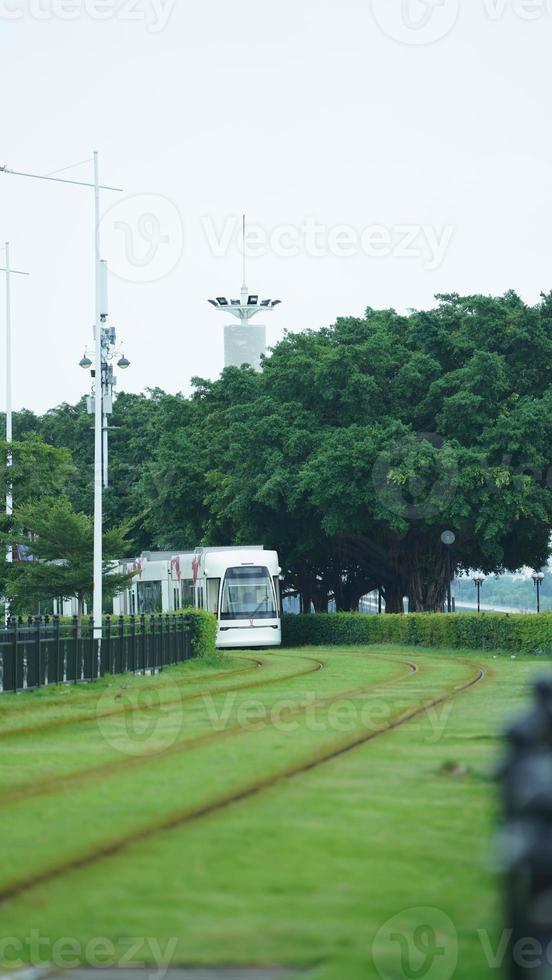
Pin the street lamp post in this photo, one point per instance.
(9, 272)
(98, 412)
(478, 581)
(104, 380)
(448, 538)
(538, 579)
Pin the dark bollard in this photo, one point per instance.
(527, 839)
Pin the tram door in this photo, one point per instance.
(213, 589)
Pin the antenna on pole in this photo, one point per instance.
(104, 308)
(244, 283)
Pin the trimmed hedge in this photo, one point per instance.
(204, 631)
(487, 631)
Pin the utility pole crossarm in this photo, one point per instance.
(59, 180)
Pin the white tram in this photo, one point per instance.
(241, 586)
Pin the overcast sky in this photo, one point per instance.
(384, 151)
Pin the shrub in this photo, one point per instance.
(487, 631)
(204, 631)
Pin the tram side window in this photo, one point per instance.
(199, 604)
(149, 597)
(187, 590)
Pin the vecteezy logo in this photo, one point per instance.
(416, 476)
(143, 237)
(416, 21)
(417, 944)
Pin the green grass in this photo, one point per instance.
(307, 871)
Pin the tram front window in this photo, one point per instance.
(247, 593)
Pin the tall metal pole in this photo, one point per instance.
(9, 406)
(98, 516)
(9, 424)
(98, 423)
(105, 452)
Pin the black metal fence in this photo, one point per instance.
(44, 651)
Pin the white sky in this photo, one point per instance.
(289, 111)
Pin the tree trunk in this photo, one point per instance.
(306, 602)
(427, 583)
(393, 595)
(321, 603)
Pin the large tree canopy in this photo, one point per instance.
(350, 452)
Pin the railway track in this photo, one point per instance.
(216, 805)
(95, 773)
(19, 709)
(57, 723)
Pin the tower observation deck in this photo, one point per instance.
(244, 342)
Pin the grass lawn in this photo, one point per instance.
(261, 809)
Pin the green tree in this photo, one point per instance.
(58, 559)
(359, 444)
(350, 452)
(37, 470)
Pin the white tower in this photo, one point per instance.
(243, 342)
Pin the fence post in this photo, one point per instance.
(107, 641)
(158, 639)
(56, 656)
(174, 639)
(162, 658)
(165, 651)
(122, 649)
(94, 663)
(30, 655)
(14, 655)
(186, 638)
(133, 643)
(144, 654)
(181, 639)
(38, 651)
(150, 651)
(75, 638)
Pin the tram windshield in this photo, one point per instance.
(247, 593)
